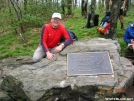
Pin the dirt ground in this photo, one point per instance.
(129, 93)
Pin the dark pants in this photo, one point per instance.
(121, 12)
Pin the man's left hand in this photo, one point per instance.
(58, 48)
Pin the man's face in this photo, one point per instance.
(55, 22)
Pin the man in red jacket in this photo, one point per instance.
(50, 38)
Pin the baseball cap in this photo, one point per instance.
(56, 15)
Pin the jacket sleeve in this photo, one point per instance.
(43, 39)
(68, 38)
(127, 39)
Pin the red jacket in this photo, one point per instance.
(50, 37)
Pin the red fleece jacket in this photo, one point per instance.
(51, 37)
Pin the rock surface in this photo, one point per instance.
(48, 80)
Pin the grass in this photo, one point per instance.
(12, 45)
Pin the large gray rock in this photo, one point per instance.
(14, 88)
(48, 80)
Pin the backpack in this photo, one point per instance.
(95, 20)
(105, 24)
(72, 35)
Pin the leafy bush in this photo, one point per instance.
(31, 21)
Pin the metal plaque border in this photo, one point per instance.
(95, 73)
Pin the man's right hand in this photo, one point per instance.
(50, 56)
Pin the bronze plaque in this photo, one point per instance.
(90, 63)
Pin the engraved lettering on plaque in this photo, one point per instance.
(90, 63)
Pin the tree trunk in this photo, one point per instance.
(114, 18)
(107, 5)
(18, 13)
(10, 11)
(63, 6)
(75, 3)
(84, 8)
(102, 3)
(93, 3)
(25, 6)
(69, 7)
(126, 7)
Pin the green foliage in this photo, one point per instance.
(31, 21)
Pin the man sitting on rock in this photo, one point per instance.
(129, 37)
(50, 38)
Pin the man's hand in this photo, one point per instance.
(122, 7)
(50, 56)
(58, 48)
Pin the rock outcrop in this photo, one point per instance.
(21, 79)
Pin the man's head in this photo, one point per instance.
(56, 20)
(56, 15)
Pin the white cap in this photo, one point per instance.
(56, 15)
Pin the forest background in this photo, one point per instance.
(21, 22)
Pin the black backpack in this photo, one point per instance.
(72, 35)
(95, 20)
